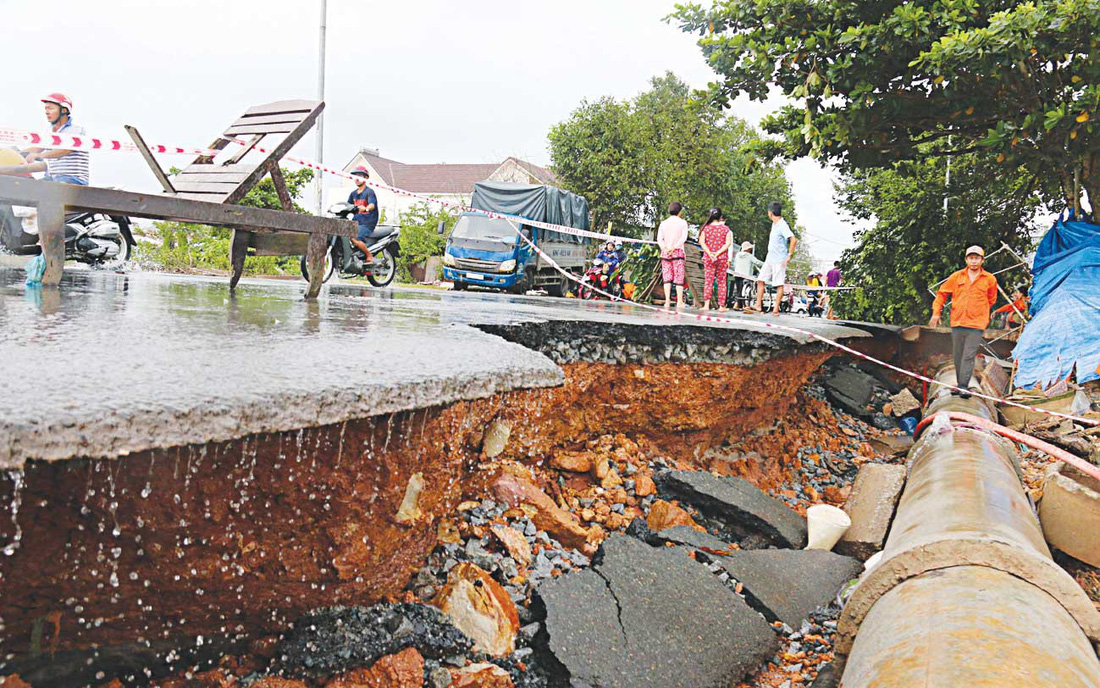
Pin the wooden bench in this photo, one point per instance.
(54, 200)
(229, 179)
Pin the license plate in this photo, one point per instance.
(474, 275)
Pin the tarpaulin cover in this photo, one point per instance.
(1065, 306)
(534, 202)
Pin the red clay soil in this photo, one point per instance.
(243, 536)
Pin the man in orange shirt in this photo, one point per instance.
(972, 291)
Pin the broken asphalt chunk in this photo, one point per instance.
(647, 617)
(786, 585)
(735, 504)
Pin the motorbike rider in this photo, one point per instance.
(60, 165)
(366, 201)
(609, 257)
(620, 252)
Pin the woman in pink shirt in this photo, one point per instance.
(716, 239)
(671, 236)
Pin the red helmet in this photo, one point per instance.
(361, 172)
(59, 99)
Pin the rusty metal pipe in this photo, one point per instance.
(966, 592)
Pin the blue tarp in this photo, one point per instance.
(1064, 331)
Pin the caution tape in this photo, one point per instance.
(18, 137)
(52, 140)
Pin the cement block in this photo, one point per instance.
(871, 507)
(1070, 513)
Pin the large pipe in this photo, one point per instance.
(966, 592)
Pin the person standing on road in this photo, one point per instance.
(972, 292)
(715, 239)
(833, 278)
(781, 243)
(671, 235)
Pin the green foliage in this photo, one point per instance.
(875, 82)
(630, 159)
(420, 238)
(913, 244)
(184, 247)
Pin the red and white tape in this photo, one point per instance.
(89, 143)
(18, 137)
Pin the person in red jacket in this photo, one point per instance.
(1018, 306)
(972, 292)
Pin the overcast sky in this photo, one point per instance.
(422, 80)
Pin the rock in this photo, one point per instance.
(331, 640)
(736, 505)
(647, 617)
(1070, 512)
(644, 486)
(601, 468)
(514, 542)
(871, 505)
(439, 677)
(274, 682)
(481, 608)
(891, 445)
(902, 403)
(611, 480)
(683, 535)
(786, 585)
(513, 491)
(409, 511)
(496, 438)
(850, 389)
(480, 676)
(574, 462)
(402, 670)
(13, 681)
(664, 515)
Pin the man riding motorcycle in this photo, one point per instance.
(60, 165)
(365, 199)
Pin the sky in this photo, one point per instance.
(423, 81)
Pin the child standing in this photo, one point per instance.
(716, 239)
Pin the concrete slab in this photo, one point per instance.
(1070, 512)
(736, 504)
(871, 505)
(788, 584)
(110, 364)
(648, 617)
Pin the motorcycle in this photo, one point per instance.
(595, 278)
(96, 239)
(344, 258)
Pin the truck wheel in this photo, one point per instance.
(560, 288)
(458, 286)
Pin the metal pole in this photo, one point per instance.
(947, 179)
(319, 155)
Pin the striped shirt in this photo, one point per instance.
(75, 164)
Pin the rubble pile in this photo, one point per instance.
(609, 562)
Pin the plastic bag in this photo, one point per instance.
(35, 269)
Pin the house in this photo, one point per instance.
(450, 182)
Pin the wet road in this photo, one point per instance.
(110, 364)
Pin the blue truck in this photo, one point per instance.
(486, 252)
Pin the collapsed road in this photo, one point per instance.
(417, 488)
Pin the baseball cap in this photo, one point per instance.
(975, 249)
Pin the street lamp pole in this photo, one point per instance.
(319, 155)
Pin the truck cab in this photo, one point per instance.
(487, 252)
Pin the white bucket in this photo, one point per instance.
(826, 525)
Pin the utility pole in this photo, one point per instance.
(319, 155)
(947, 178)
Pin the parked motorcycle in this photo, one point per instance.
(595, 278)
(96, 239)
(344, 258)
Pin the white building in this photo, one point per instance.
(444, 181)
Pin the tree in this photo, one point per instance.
(420, 237)
(630, 159)
(875, 82)
(185, 246)
(914, 243)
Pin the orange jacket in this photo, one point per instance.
(1020, 304)
(970, 302)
